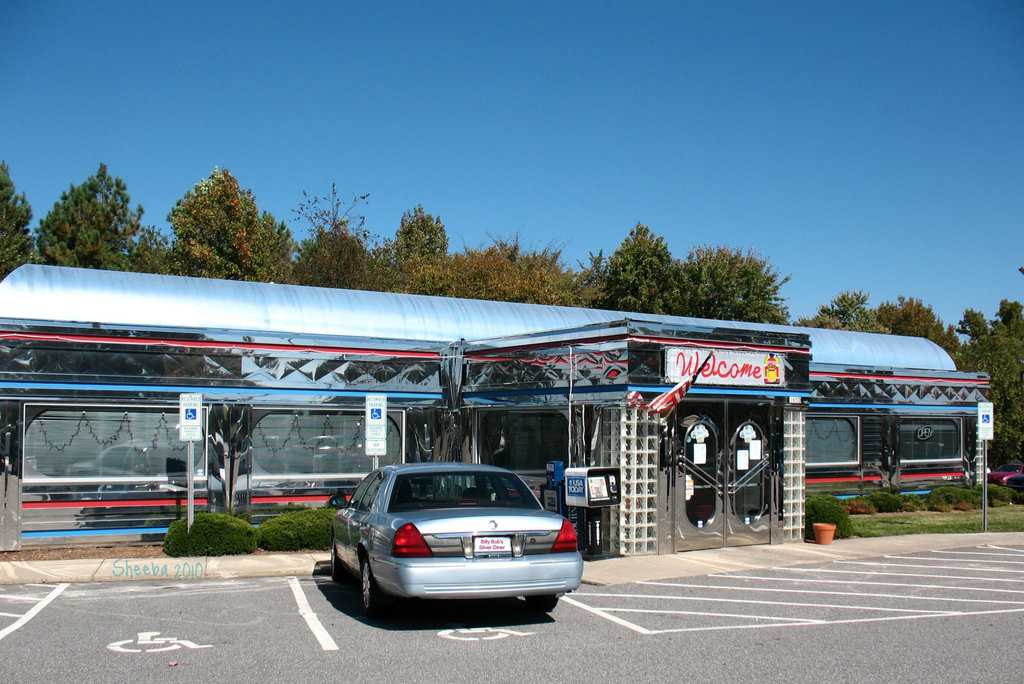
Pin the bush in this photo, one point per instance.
(309, 528)
(1000, 496)
(826, 509)
(859, 506)
(885, 502)
(909, 503)
(948, 498)
(212, 534)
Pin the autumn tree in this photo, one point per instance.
(92, 226)
(337, 251)
(640, 276)
(416, 261)
(729, 285)
(220, 233)
(913, 318)
(848, 310)
(997, 348)
(151, 252)
(15, 215)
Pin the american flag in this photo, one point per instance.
(669, 400)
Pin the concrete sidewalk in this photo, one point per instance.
(596, 572)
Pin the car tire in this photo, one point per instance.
(338, 573)
(543, 603)
(373, 598)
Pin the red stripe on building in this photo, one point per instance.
(110, 503)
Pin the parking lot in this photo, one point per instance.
(312, 629)
(928, 585)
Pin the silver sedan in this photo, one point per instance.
(452, 530)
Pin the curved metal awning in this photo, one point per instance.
(86, 296)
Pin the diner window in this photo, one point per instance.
(929, 439)
(832, 440)
(315, 442)
(105, 443)
(523, 441)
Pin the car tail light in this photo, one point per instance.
(409, 543)
(567, 541)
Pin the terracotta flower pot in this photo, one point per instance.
(824, 532)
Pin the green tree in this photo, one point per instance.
(997, 348)
(337, 253)
(849, 310)
(420, 236)
(15, 215)
(913, 318)
(92, 226)
(219, 233)
(417, 260)
(151, 252)
(725, 284)
(504, 271)
(640, 276)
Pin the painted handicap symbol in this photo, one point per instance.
(480, 634)
(149, 642)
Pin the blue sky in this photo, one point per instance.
(857, 145)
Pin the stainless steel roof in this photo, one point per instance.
(50, 293)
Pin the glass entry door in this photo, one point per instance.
(724, 479)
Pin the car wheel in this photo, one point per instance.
(373, 599)
(544, 603)
(337, 571)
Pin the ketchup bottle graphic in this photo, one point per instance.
(772, 370)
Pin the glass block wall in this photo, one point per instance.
(630, 441)
(793, 460)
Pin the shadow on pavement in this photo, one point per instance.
(433, 614)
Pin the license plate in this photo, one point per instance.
(487, 546)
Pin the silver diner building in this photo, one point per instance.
(92, 364)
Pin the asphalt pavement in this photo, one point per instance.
(603, 571)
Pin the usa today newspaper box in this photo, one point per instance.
(589, 489)
(592, 487)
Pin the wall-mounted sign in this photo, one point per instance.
(743, 368)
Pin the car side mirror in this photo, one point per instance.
(338, 501)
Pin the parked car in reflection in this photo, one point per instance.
(1002, 473)
(452, 530)
(1015, 482)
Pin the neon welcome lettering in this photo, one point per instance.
(728, 367)
(688, 364)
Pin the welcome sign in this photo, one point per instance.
(726, 367)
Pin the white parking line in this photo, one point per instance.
(978, 564)
(327, 643)
(33, 611)
(980, 553)
(912, 585)
(925, 567)
(607, 616)
(758, 602)
(876, 573)
(832, 592)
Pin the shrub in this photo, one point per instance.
(212, 534)
(1000, 496)
(885, 502)
(947, 498)
(859, 506)
(309, 528)
(910, 503)
(826, 509)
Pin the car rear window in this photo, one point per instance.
(460, 489)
